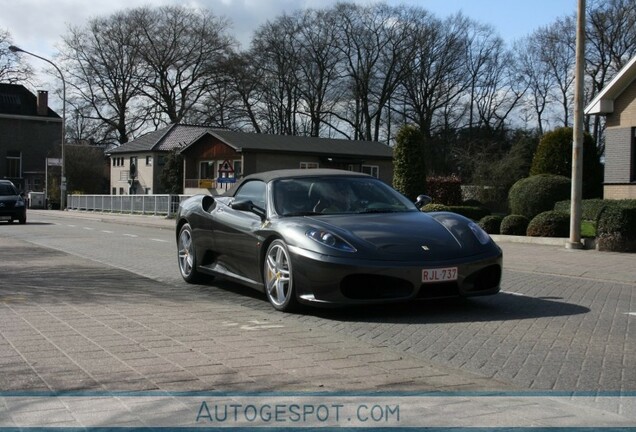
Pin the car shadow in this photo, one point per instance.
(27, 223)
(500, 307)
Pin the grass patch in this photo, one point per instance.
(588, 229)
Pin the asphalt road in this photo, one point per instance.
(543, 332)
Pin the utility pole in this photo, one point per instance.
(577, 138)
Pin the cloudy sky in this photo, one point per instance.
(37, 25)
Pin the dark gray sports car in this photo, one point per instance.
(327, 237)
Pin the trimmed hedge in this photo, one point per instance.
(474, 213)
(616, 230)
(514, 225)
(445, 190)
(491, 224)
(592, 208)
(533, 195)
(434, 208)
(549, 224)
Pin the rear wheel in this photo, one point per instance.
(186, 255)
(278, 277)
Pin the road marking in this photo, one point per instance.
(630, 313)
(108, 232)
(89, 228)
(131, 235)
(160, 240)
(72, 226)
(260, 325)
(253, 325)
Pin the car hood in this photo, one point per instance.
(404, 236)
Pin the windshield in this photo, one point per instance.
(7, 189)
(337, 195)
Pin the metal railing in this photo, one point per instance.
(131, 204)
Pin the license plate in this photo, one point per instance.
(439, 275)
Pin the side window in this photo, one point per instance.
(254, 191)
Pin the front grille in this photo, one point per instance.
(372, 287)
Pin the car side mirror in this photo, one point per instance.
(248, 205)
(422, 200)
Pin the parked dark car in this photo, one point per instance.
(327, 237)
(12, 203)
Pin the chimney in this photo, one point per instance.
(43, 103)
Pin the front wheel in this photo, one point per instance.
(186, 255)
(278, 277)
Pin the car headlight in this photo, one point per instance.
(329, 239)
(481, 235)
(19, 203)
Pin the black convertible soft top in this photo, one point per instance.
(268, 176)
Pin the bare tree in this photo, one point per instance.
(12, 69)
(375, 48)
(102, 63)
(493, 88)
(534, 72)
(319, 63)
(434, 78)
(181, 49)
(275, 50)
(557, 44)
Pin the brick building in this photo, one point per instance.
(617, 102)
(30, 132)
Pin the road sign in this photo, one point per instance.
(226, 167)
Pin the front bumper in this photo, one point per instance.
(11, 214)
(321, 279)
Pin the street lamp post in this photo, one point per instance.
(15, 49)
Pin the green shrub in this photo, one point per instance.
(434, 208)
(409, 167)
(554, 156)
(474, 213)
(616, 230)
(549, 224)
(491, 224)
(445, 190)
(514, 225)
(533, 195)
(592, 208)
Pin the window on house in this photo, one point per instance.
(148, 160)
(238, 168)
(309, 165)
(373, 170)
(147, 191)
(206, 170)
(121, 191)
(114, 191)
(14, 164)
